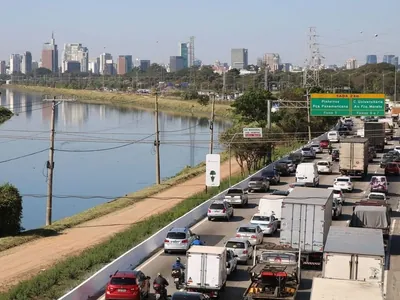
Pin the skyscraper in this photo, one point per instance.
(124, 64)
(239, 58)
(351, 64)
(26, 63)
(371, 59)
(75, 52)
(144, 64)
(2, 67)
(272, 60)
(15, 63)
(184, 52)
(176, 63)
(50, 55)
(102, 64)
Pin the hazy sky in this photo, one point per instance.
(152, 29)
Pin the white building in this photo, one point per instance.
(94, 66)
(35, 65)
(3, 69)
(102, 61)
(15, 63)
(26, 63)
(75, 52)
(351, 64)
(272, 60)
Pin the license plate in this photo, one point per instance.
(121, 290)
(176, 279)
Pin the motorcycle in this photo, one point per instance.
(160, 292)
(177, 276)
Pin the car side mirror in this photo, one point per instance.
(110, 276)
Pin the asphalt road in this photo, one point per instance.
(215, 233)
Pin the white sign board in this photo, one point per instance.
(213, 168)
(252, 133)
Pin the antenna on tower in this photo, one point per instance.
(313, 62)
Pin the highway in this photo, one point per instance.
(216, 233)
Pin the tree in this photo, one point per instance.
(42, 71)
(10, 210)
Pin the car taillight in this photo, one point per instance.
(110, 288)
(209, 211)
(245, 252)
(253, 237)
(135, 289)
(184, 241)
(238, 235)
(166, 241)
(224, 210)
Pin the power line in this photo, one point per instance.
(23, 156)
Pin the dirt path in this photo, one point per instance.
(24, 261)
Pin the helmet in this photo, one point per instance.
(159, 274)
(197, 237)
(178, 259)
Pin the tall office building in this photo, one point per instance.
(395, 61)
(351, 64)
(184, 52)
(75, 52)
(50, 55)
(15, 63)
(371, 59)
(94, 66)
(35, 65)
(109, 67)
(176, 63)
(26, 63)
(272, 60)
(125, 64)
(102, 61)
(239, 58)
(388, 58)
(144, 65)
(3, 68)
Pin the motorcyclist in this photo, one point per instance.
(179, 266)
(162, 282)
(197, 241)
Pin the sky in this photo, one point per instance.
(152, 29)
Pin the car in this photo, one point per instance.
(336, 209)
(308, 152)
(241, 247)
(231, 261)
(324, 144)
(324, 166)
(397, 149)
(284, 168)
(280, 193)
(316, 148)
(267, 223)
(178, 239)
(296, 158)
(272, 176)
(186, 295)
(344, 183)
(291, 164)
(250, 232)
(379, 184)
(344, 131)
(392, 168)
(220, 210)
(377, 197)
(373, 151)
(335, 155)
(338, 194)
(258, 183)
(237, 196)
(123, 285)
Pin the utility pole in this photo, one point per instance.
(157, 141)
(212, 125)
(395, 85)
(266, 87)
(308, 115)
(223, 85)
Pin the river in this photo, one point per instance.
(96, 157)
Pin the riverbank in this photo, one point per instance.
(5, 114)
(166, 104)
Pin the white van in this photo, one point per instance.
(307, 173)
(271, 204)
(333, 136)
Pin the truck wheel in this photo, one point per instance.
(209, 219)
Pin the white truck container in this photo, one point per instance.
(333, 289)
(354, 157)
(206, 269)
(355, 254)
(271, 204)
(306, 218)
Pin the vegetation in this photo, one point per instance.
(52, 283)
(5, 114)
(10, 210)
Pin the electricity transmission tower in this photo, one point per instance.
(313, 62)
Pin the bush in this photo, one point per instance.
(10, 210)
(5, 114)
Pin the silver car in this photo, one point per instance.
(308, 152)
(258, 183)
(178, 239)
(242, 248)
(252, 233)
(220, 210)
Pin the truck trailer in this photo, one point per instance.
(375, 133)
(354, 157)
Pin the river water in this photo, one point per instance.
(98, 155)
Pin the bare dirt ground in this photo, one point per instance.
(24, 261)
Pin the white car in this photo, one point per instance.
(344, 183)
(377, 197)
(231, 261)
(250, 232)
(397, 149)
(317, 148)
(324, 166)
(267, 223)
(308, 152)
(338, 194)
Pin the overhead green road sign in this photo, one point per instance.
(347, 105)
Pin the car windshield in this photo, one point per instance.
(247, 229)
(260, 218)
(123, 281)
(235, 191)
(342, 180)
(235, 245)
(315, 146)
(218, 206)
(376, 197)
(378, 179)
(323, 163)
(332, 133)
(256, 179)
(176, 235)
(306, 149)
(391, 165)
(335, 151)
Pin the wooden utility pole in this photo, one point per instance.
(157, 141)
(212, 125)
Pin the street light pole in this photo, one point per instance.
(230, 156)
(395, 85)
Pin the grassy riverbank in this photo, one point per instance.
(166, 104)
(5, 114)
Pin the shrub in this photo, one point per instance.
(10, 210)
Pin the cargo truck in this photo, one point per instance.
(354, 254)
(375, 133)
(305, 222)
(206, 270)
(388, 122)
(332, 289)
(354, 157)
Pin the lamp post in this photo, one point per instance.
(365, 75)
(230, 156)
(395, 85)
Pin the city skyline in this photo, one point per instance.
(216, 37)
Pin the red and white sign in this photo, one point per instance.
(252, 133)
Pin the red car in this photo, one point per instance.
(324, 144)
(123, 285)
(392, 169)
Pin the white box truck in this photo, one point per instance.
(206, 270)
(271, 204)
(354, 254)
(354, 157)
(306, 218)
(333, 289)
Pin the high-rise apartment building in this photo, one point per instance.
(94, 66)
(72, 66)
(102, 61)
(35, 65)
(176, 63)
(15, 63)
(3, 69)
(197, 62)
(372, 59)
(26, 63)
(239, 58)
(144, 65)
(351, 64)
(50, 55)
(125, 64)
(388, 58)
(75, 52)
(109, 67)
(272, 60)
(184, 52)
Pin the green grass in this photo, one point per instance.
(5, 114)
(166, 104)
(103, 209)
(54, 282)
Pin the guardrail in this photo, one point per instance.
(135, 256)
